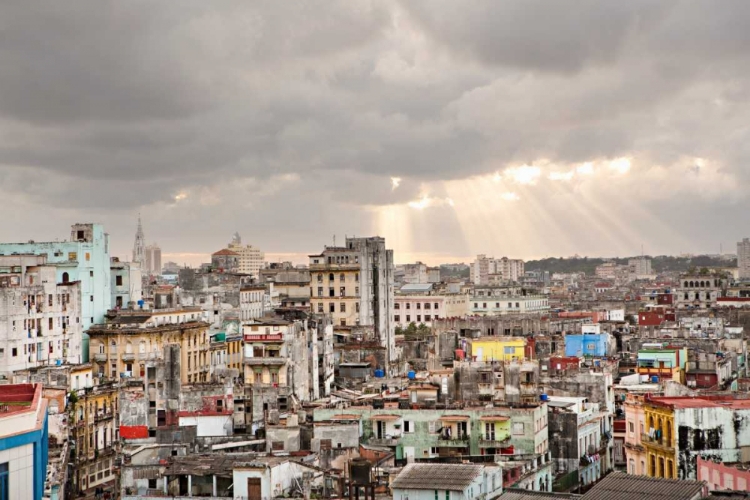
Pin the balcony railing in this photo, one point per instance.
(265, 361)
(385, 441)
(661, 441)
(458, 440)
(100, 357)
(128, 356)
(492, 442)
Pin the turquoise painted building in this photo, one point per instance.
(85, 258)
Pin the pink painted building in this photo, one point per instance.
(635, 426)
(726, 476)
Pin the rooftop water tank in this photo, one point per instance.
(544, 397)
(654, 379)
(412, 375)
(379, 373)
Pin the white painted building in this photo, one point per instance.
(250, 260)
(502, 269)
(427, 481)
(253, 302)
(743, 258)
(489, 306)
(127, 284)
(270, 477)
(40, 319)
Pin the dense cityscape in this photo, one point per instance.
(375, 250)
(133, 378)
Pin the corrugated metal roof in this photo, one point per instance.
(519, 494)
(621, 486)
(453, 477)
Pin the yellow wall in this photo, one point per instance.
(495, 349)
(661, 457)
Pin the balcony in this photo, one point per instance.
(494, 442)
(486, 389)
(264, 337)
(265, 361)
(128, 356)
(334, 267)
(102, 416)
(100, 357)
(385, 441)
(661, 442)
(460, 440)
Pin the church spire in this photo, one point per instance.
(139, 247)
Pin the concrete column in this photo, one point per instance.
(190, 485)
(215, 491)
(165, 479)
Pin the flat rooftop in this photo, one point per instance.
(702, 402)
(16, 398)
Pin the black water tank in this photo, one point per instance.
(378, 404)
(403, 403)
(360, 471)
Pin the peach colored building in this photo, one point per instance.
(726, 476)
(635, 426)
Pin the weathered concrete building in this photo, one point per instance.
(40, 318)
(122, 347)
(354, 284)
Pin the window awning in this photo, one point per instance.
(494, 418)
(454, 418)
(385, 418)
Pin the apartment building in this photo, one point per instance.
(122, 347)
(485, 270)
(354, 284)
(40, 319)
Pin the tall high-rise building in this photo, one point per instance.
(503, 269)
(152, 260)
(354, 285)
(250, 258)
(743, 258)
(139, 246)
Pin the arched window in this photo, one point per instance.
(66, 278)
(692, 285)
(129, 347)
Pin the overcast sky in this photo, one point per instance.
(522, 128)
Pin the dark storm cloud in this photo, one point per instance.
(255, 115)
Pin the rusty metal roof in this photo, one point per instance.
(621, 486)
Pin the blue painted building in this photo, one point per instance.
(587, 344)
(85, 258)
(24, 442)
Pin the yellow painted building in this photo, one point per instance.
(94, 432)
(659, 441)
(497, 348)
(123, 347)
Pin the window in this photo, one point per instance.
(356, 306)
(342, 291)
(426, 305)
(356, 277)
(332, 307)
(14, 352)
(118, 280)
(330, 277)
(4, 480)
(408, 319)
(343, 322)
(427, 317)
(397, 318)
(408, 305)
(50, 325)
(342, 307)
(518, 428)
(320, 278)
(397, 306)
(320, 291)
(91, 299)
(419, 306)
(72, 256)
(436, 305)
(88, 257)
(342, 277)
(631, 427)
(320, 307)
(408, 426)
(419, 317)
(509, 350)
